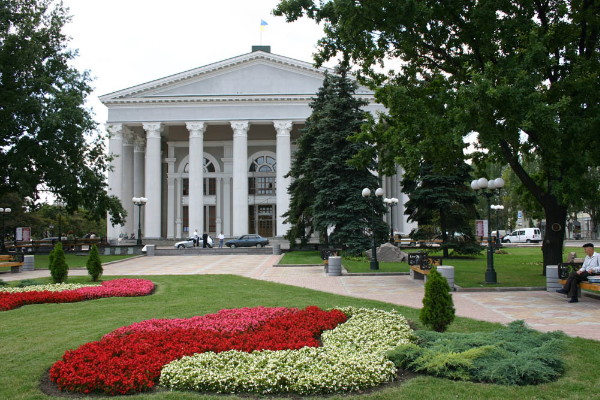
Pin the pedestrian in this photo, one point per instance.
(204, 239)
(221, 240)
(196, 238)
(591, 266)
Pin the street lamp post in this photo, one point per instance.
(497, 207)
(391, 203)
(140, 202)
(483, 184)
(4, 211)
(366, 193)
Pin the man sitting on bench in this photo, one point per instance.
(591, 266)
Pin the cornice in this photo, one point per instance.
(222, 99)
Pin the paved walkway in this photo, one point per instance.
(543, 311)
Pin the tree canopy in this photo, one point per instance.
(48, 138)
(521, 76)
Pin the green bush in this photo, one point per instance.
(515, 355)
(59, 270)
(28, 282)
(94, 265)
(2, 283)
(438, 309)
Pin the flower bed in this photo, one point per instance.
(11, 298)
(250, 350)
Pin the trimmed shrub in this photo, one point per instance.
(93, 264)
(438, 309)
(515, 355)
(59, 270)
(28, 282)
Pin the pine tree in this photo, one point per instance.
(438, 308)
(326, 192)
(93, 264)
(439, 196)
(59, 270)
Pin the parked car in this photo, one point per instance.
(524, 235)
(189, 242)
(247, 241)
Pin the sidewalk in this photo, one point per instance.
(541, 310)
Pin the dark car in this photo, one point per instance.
(247, 241)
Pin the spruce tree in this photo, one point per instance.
(326, 192)
(59, 270)
(438, 308)
(93, 264)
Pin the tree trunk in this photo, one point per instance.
(444, 233)
(552, 247)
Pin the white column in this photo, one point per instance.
(127, 184)
(139, 146)
(240, 177)
(228, 170)
(284, 156)
(170, 195)
(115, 173)
(153, 178)
(196, 175)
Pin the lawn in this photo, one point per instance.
(41, 261)
(518, 267)
(33, 337)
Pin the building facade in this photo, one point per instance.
(209, 148)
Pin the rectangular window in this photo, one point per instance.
(261, 186)
(186, 187)
(210, 186)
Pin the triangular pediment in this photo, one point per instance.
(253, 74)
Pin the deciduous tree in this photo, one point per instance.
(48, 138)
(523, 76)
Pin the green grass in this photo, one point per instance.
(520, 267)
(72, 260)
(33, 337)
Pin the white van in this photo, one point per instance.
(524, 235)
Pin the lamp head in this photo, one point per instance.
(379, 192)
(366, 192)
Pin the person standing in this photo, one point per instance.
(591, 266)
(196, 237)
(221, 240)
(204, 239)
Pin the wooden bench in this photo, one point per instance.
(563, 272)
(9, 261)
(420, 264)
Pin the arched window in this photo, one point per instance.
(262, 176)
(210, 184)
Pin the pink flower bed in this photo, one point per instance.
(113, 288)
(129, 359)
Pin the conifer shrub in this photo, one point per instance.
(514, 355)
(59, 270)
(438, 308)
(93, 264)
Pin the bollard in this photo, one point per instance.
(447, 271)
(28, 263)
(334, 266)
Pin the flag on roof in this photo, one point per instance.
(263, 22)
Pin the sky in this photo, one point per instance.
(123, 43)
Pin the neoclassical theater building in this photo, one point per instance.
(210, 147)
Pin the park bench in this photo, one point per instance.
(420, 264)
(14, 262)
(564, 269)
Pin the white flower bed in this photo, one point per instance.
(51, 287)
(351, 358)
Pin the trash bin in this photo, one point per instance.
(28, 263)
(276, 249)
(334, 266)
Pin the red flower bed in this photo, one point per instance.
(114, 288)
(130, 360)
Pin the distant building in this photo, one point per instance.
(209, 148)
